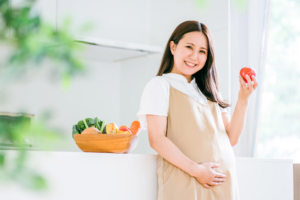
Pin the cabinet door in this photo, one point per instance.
(112, 19)
(68, 10)
(47, 9)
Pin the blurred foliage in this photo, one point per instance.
(280, 113)
(32, 41)
(13, 165)
(240, 4)
(202, 4)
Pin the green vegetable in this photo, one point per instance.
(102, 126)
(97, 125)
(89, 122)
(86, 123)
(80, 126)
(104, 130)
(74, 130)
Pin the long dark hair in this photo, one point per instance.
(206, 78)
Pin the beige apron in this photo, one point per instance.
(198, 131)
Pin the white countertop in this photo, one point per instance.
(79, 175)
(120, 155)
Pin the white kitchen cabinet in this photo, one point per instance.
(68, 9)
(112, 23)
(117, 20)
(114, 51)
(47, 9)
(118, 28)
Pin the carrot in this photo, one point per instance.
(135, 127)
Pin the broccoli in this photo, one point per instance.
(81, 126)
(74, 130)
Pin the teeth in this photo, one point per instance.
(190, 64)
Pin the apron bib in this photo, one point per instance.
(198, 131)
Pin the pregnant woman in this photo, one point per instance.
(187, 121)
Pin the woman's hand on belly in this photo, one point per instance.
(207, 177)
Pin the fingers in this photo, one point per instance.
(255, 82)
(250, 83)
(214, 183)
(207, 186)
(214, 165)
(243, 84)
(218, 180)
(218, 175)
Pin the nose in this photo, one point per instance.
(193, 56)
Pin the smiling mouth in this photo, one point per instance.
(189, 64)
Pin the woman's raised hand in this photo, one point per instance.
(246, 89)
(207, 177)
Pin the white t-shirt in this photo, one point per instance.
(155, 98)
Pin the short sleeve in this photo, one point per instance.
(154, 100)
(222, 109)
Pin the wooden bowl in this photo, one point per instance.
(106, 143)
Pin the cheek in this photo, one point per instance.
(183, 54)
(203, 58)
(179, 57)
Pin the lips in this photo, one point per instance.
(189, 65)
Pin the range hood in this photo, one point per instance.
(112, 50)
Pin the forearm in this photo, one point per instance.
(236, 125)
(169, 151)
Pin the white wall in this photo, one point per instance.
(248, 28)
(239, 59)
(135, 74)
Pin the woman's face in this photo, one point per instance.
(189, 54)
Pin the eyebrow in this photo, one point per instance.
(194, 45)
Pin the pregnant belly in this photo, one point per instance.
(216, 151)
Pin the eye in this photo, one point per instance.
(191, 48)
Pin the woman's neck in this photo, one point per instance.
(188, 77)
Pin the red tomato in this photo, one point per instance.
(123, 127)
(124, 130)
(249, 71)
